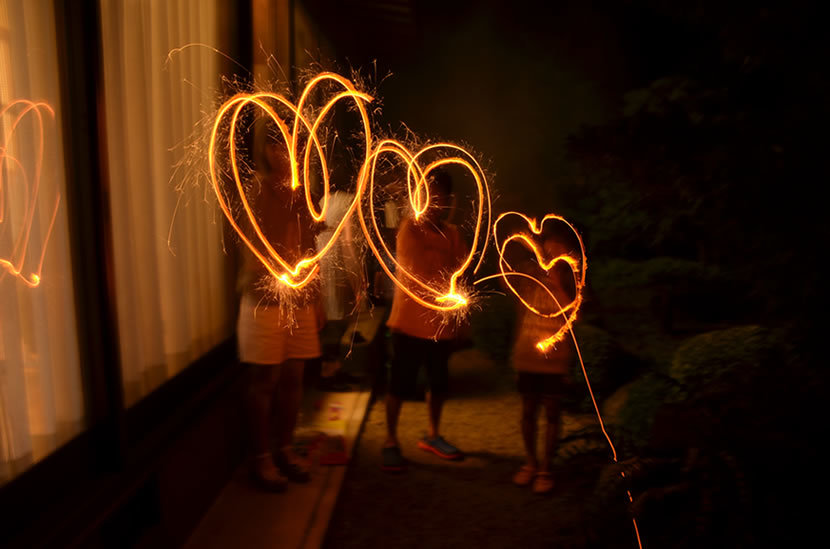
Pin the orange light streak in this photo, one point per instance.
(578, 269)
(568, 312)
(443, 299)
(446, 299)
(302, 272)
(299, 274)
(14, 263)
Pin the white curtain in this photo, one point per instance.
(174, 294)
(41, 395)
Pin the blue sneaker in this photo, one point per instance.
(440, 448)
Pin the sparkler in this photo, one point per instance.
(450, 298)
(578, 267)
(299, 152)
(299, 274)
(567, 313)
(15, 263)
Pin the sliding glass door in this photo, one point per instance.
(41, 390)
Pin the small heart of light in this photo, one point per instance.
(17, 260)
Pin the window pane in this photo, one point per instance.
(172, 280)
(41, 396)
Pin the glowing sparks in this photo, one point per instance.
(431, 296)
(453, 298)
(300, 136)
(16, 262)
(567, 313)
(578, 266)
(299, 133)
(298, 274)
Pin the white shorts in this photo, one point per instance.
(265, 337)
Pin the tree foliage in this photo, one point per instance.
(717, 161)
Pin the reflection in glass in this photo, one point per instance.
(41, 396)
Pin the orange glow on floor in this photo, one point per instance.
(15, 262)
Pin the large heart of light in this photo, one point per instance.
(14, 259)
(445, 295)
(300, 136)
(531, 239)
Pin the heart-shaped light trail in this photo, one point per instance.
(447, 296)
(578, 266)
(567, 312)
(300, 273)
(14, 262)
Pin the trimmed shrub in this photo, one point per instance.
(622, 273)
(645, 396)
(600, 354)
(722, 362)
(609, 367)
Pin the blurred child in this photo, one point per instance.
(276, 338)
(541, 376)
(428, 248)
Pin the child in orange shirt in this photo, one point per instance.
(428, 248)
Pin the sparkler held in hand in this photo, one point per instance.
(546, 302)
(427, 246)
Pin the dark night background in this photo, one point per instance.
(686, 143)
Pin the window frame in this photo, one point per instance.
(80, 483)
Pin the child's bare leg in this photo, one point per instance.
(436, 404)
(530, 409)
(393, 412)
(552, 411)
(260, 398)
(289, 398)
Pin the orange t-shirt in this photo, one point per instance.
(533, 328)
(286, 224)
(430, 253)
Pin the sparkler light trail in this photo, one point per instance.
(450, 297)
(15, 263)
(567, 313)
(299, 132)
(300, 273)
(578, 267)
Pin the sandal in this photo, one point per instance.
(543, 483)
(524, 476)
(268, 480)
(393, 461)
